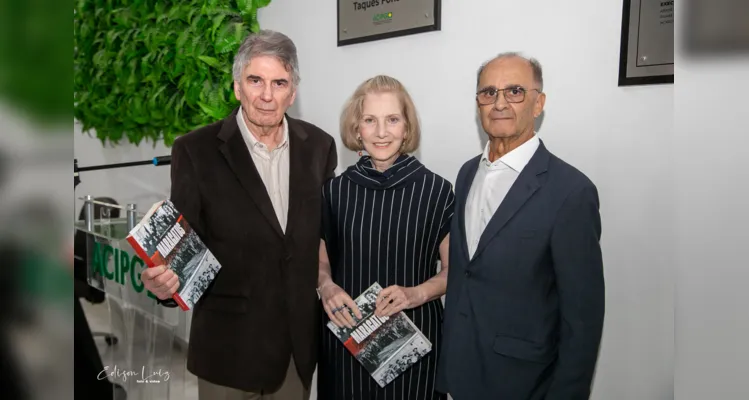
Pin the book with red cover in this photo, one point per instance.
(164, 237)
(385, 346)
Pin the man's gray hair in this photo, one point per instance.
(538, 73)
(267, 43)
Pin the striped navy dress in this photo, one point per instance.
(385, 228)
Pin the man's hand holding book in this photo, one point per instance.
(161, 281)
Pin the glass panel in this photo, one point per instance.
(141, 360)
(109, 220)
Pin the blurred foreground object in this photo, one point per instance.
(715, 27)
(35, 72)
(36, 293)
(36, 238)
(711, 192)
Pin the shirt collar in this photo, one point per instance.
(516, 159)
(251, 140)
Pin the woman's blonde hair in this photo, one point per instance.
(353, 109)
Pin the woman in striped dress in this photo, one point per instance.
(386, 220)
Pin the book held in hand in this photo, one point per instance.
(385, 346)
(164, 237)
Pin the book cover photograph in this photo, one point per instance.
(164, 237)
(385, 346)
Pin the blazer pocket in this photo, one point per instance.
(224, 303)
(521, 349)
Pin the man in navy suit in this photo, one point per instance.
(525, 294)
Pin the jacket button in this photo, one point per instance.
(468, 274)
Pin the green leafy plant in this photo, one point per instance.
(156, 69)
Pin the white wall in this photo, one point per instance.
(712, 189)
(621, 138)
(142, 185)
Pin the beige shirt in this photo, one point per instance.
(273, 167)
(491, 184)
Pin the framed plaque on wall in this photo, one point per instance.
(370, 20)
(647, 42)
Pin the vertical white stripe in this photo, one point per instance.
(434, 251)
(377, 277)
(343, 236)
(331, 367)
(427, 232)
(405, 242)
(387, 246)
(338, 213)
(344, 267)
(434, 204)
(361, 264)
(405, 266)
(414, 266)
(343, 263)
(351, 234)
(361, 238)
(379, 234)
(371, 227)
(397, 246)
(331, 344)
(418, 228)
(353, 250)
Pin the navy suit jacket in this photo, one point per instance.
(523, 317)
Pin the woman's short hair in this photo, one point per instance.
(353, 109)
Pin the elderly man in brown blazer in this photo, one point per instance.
(250, 185)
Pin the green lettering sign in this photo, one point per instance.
(136, 282)
(124, 262)
(105, 262)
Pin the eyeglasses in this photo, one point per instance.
(512, 95)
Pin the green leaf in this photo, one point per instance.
(216, 23)
(148, 71)
(212, 61)
(254, 26)
(246, 7)
(214, 112)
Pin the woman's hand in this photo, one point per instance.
(395, 298)
(339, 305)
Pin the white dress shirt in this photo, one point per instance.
(491, 184)
(273, 167)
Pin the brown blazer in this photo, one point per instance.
(262, 307)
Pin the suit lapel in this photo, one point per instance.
(526, 185)
(235, 150)
(298, 163)
(462, 198)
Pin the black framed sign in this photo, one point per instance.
(370, 20)
(647, 42)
